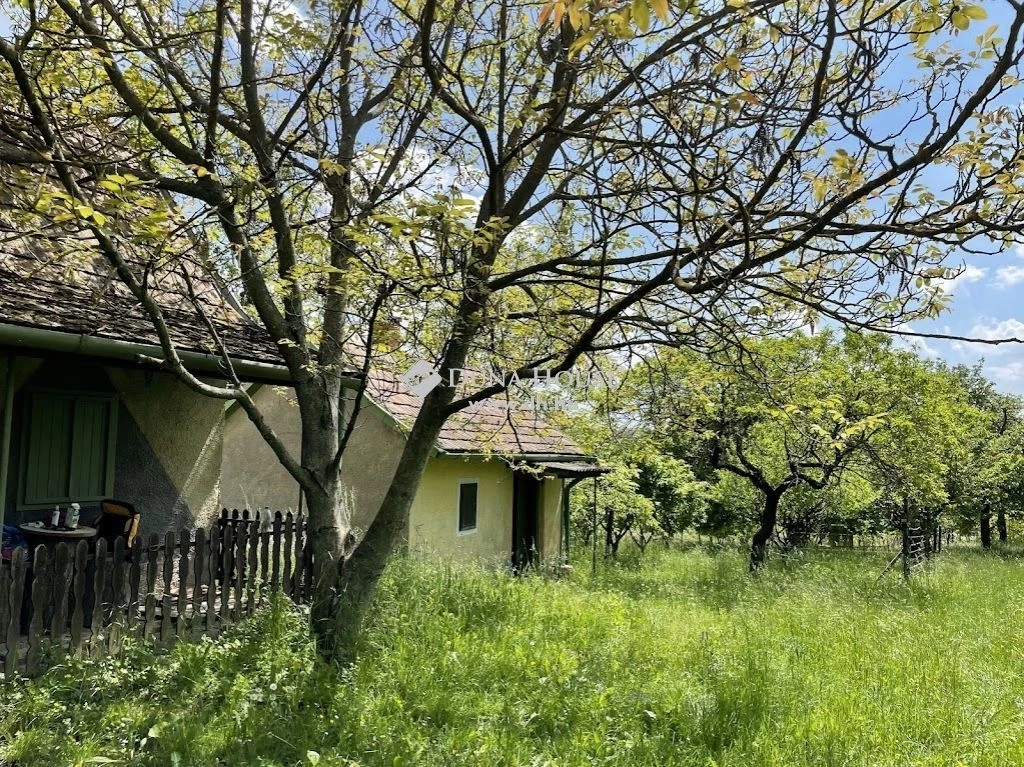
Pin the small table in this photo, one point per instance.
(57, 534)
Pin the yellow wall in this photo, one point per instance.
(434, 518)
(433, 521)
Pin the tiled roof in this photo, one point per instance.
(498, 426)
(86, 299)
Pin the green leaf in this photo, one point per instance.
(641, 15)
(974, 12)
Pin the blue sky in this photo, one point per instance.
(988, 298)
(988, 302)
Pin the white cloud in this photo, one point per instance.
(1008, 377)
(966, 276)
(922, 347)
(1008, 276)
(990, 329)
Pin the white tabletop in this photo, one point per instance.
(37, 528)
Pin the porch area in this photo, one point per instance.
(82, 599)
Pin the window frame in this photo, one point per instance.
(458, 508)
(76, 396)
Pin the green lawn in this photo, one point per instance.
(686, 660)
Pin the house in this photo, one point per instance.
(496, 486)
(83, 420)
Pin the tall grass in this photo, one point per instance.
(683, 659)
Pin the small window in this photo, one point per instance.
(467, 506)
(68, 448)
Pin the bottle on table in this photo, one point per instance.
(55, 516)
(73, 515)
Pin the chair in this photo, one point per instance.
(117, 519)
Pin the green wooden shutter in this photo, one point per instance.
(68, 448)
(48, 457)
(89, 449)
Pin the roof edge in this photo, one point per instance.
(33, 339)
(535, 457)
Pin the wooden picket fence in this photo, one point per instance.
(82, 599)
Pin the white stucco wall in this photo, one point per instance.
(252, 476)
(184, 430)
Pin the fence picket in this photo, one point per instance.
(78, 612)
(149, 622)
(5, 609)
(254, 543)
(16, 591)
(266, 521)
(184, 543)
(199, 579)
(289, 574)
(166, 629)
(99, 582)
(152, 563)
(275, 561)
(226, 559)
(211, 582)
(134, 581)
(118, 601)
(62, 575)
(299, 568)
(241, 545)
(41, 574)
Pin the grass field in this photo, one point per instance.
(686, 660)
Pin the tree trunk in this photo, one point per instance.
(986, 529)
(347, 582)
(769, 516)
(609, 525)
(1001, 526)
